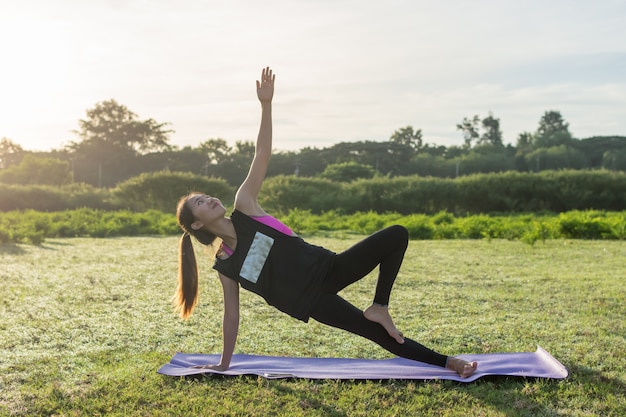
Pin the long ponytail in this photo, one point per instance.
(186, 295)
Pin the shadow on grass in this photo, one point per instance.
(513, 396)
(11, 249)
(52, 245)
(308, 397)
(506, 394)
(588, 375)
(18, 249)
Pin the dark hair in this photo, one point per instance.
(186, 296)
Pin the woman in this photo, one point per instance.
(266, 257)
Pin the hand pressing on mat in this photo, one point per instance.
(214, 367)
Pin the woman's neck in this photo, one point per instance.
(225, 230)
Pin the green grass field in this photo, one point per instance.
(87, 322)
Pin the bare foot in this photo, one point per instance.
(380, 315)
(461, 367)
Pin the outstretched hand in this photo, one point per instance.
(215, 367)
(265, 87)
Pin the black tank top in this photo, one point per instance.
(285, 270)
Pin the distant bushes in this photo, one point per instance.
(162, 190)
(51, 198)
(282, 193)
(151, 191)
(37, 170)
(509, 192)
(34, 227)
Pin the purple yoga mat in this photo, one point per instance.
(539, 364)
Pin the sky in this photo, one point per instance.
(346, 70)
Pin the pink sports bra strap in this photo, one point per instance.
(274, 223)
(270, 221)
(226, 249)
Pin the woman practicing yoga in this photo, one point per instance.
(266, 257)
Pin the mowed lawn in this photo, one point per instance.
(86, 323)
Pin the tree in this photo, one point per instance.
(284, 163)
(455, 151)
(524, 143)
(522, 148)
(407, 136)
(596, 148)
(37, 170)
(614, 159)
(492, 134)
(556, 157)
(469, 127)
(10, 153)
(552, 131)
(216, 149)
(433, 149)
(233, 166)
(115, 125)
(245, 149)
(385, 157)
(112, 139)
(347, 171)
(427, 164)
(478, 162)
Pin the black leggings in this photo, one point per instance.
(385, 248)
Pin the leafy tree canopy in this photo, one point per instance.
(9, 152)
(113, 125)
(471, 128)
(347, 171)
(216, 150)
(37, 170)
(553, 130)
(408, 137)
(492, 135)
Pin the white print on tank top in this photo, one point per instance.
(256, 257)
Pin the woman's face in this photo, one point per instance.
(205, 209)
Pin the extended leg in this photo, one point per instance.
(334, 311)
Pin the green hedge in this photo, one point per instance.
(150, 191)
(162, 190)
(282, 193)
(591, 204)
(52, 198)
(509, 192)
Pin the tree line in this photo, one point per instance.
(113, 144)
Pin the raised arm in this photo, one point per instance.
(246, 197)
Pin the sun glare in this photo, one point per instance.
(34, 73)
